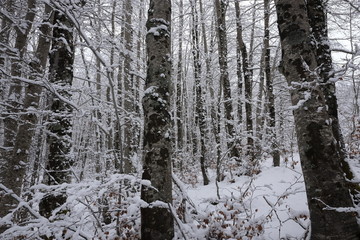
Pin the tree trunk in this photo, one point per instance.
(239, 68)
(247, 84)
(200, 109)
(320, 158)
(14, 172)
(179, 82)
(9, 167)
(318, 24)
(128, 96)
(61, 73)
(220, 7)
(156, 219)
(270, 86)
(5, 30)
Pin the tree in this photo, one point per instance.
(326, 186)
(318, 23)
(270, 85)
(59, 137)
(241, 48)
(200, 109)
(179, 82)
(220, 8)
(13, 99)
(128, 82)
(15, 158)
(156, 219)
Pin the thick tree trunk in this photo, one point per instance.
(9, 167)
(320, 158)
(14, 168)
(220, 8)
(156, 219)
(318, 23)
(59, 140)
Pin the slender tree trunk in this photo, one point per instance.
(118, 135)
(270, 86)
(128, 96)
(260, 106)
(214, 127)
(97, 115)
(156, 220)
(220, 7)
(179, 81)
(319, 154)
(200, 109)
(110, 138)
(239, 68)
(247, 83)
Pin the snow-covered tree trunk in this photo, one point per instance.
(14, 99)
(9, 167)
(220, 8)
(326, 186)
(247, 83)
(318, 22)
(128, 96)
(200, 108)
(7, 6)
(59, 138)
(240, 81)
(15, 164)
(179, 82)
(270, 86)
(156, 219)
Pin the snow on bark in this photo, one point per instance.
(157, 222)
(320, 158)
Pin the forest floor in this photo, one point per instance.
(273, 203)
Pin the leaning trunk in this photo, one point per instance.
(326, 186)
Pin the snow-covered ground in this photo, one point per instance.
(276, 197)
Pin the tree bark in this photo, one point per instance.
(239, 68)
(156, 219)
(318, 23)
(14, 169)
(128, 96)
(179, 81)
(14, 98)
(247, 83)
(270, 87)
(320, 158)
(61, 73)
(220, 8)
(200, 109)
